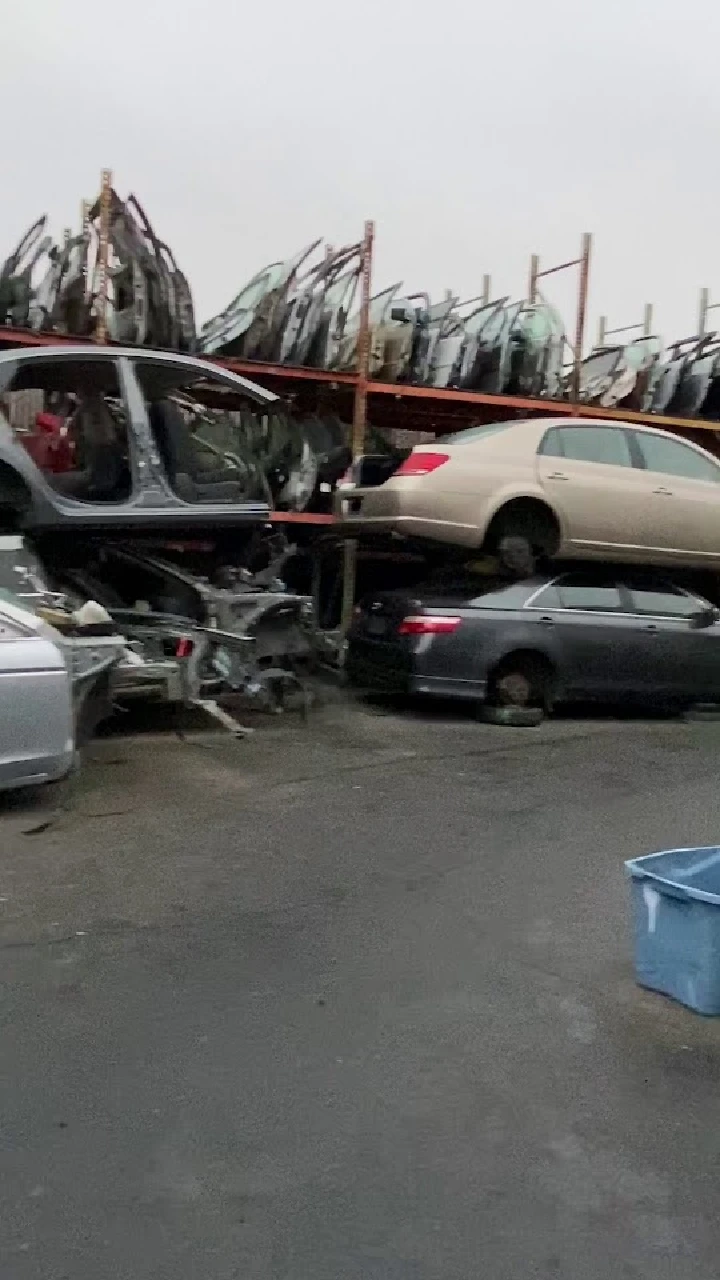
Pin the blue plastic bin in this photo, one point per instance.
(676, 910)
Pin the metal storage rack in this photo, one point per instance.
(355, 397)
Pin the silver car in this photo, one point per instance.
(37, 736)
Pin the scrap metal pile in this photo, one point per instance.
(89, 628)
(160, 631)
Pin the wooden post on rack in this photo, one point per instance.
(359, 416)
(102, 260)
(486, 289)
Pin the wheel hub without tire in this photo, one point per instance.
(514, 689)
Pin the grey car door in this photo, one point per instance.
(584, 624)
(679, 659)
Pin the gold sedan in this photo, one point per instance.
(572, 488)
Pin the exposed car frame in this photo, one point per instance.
(152, 504)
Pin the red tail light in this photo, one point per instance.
(184, 647)
(428, 624)
(422, 463)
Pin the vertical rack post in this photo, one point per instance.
(583, 262)
(533, 279)
(706, 306)
(359, 415)
(102, 262)
(581, 311)
(703, 309)
(85, 207)
(645, 326)
(486, 288)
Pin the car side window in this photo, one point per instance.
(672, 458)
(547, 598)
(608, 445)
(199, 431)
(551, 444)
(664, 601)
(576, 592)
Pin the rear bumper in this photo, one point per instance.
(377, 673)
(395, 673)
(387, 510)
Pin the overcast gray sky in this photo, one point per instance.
(474, 134)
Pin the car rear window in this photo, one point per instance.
(477, 592)
(475, 433)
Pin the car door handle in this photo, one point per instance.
(546, 620)
(652, 627)
(667, 493)
(557, 475)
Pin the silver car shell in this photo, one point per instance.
(37, 736)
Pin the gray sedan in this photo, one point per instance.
(577, 636)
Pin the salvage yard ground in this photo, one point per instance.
(352, 999)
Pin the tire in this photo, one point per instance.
(521, 685)
(515, 717)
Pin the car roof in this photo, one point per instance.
(91, 351)
(567, 420)
(477, 585)
(542, 424)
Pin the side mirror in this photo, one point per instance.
(704, 618)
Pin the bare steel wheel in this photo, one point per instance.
(516, 554)
(514, 689)
(520, 691)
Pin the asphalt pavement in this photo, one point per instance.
(352, 999)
